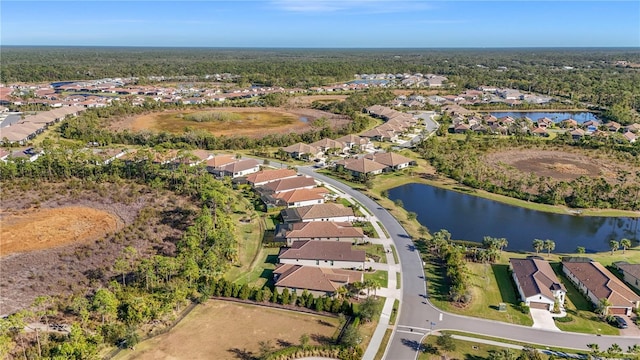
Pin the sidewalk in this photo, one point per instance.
(389, 291)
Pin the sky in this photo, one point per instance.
(322, 23)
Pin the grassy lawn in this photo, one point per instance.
(463, 350)
(367, 329)
(374, 251)
(384, 230)
(398, 280)
(506, 341)
(380, 276)
(394, 312)
(490, 285)
(383, 344)
(395, 254)
(581, 311)
(260, 272)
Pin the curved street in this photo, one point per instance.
(417, 316)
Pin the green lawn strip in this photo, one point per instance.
(398, 280)
(384, 230)
(261, 273)
(362, 207)
(395, 254)
(514, 342)
(581, 311)
(374, 251)
(249, 238)
(383, 344)
(463, 350)
(379, 276)
(394, 312)
(489, 286)
(345, 202)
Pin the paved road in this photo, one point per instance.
(417, 313)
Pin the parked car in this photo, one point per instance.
(621, 322)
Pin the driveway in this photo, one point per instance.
(542, 319)
(632, 329)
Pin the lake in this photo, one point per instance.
(556, 116)
(469, 217)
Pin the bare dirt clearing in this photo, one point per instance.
(39, 229)
(558, 164)
(252, 122)
(149, 221)
(226, 330)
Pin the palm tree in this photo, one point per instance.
(538, 245)
(614, 245)
(625, 243)
(603, 307)
(549, 245)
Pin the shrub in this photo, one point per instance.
(565, 319)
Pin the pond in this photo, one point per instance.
(469, 217)
(556, 116)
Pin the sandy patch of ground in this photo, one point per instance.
(226, 330)
(256, 121)
(40, 229)
(555, 164)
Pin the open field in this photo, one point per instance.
(559, 165)
(307, 100)
(252, 122)
(226, 330)
(38, 229)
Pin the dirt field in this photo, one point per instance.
(252, 122)
(225, 330)
(558, 165)
(39, 229)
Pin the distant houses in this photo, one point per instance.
(29, 126)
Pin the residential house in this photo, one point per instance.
(266, 176)
(577, 134)
(391, 160)
(327, 145)
(317, 281)
(356, 142)
(634, 128)
(545, 122)
(319, 230)
(216, 163)
(569, 123)
(302, 151)
(537, 284)
(631, 137)
(630, 273)
(613, 126)
(597, 283)
(323, 254)
(361, 167)
(318, 212)
(461, 128)
(380, 135)
(240, 168)
(300, 197)
(539, 131)
(289, 184)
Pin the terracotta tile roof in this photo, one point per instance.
(324, 229)
(389, 158)
(535, 277)
(362, 165)
(322, 250)
(353, 139)
(201, 154)
(266, 176)
(301, 148)
(602, 283)
(314, 278)
(290, 184)
(241, 165)
(328, 144)
(323, 211)
(631, 269)
(299, 195)
(221, 160)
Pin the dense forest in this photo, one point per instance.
(587, 75)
